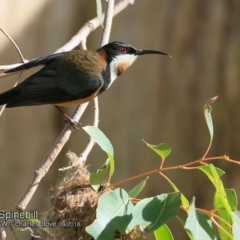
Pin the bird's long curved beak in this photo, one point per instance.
(142, 52)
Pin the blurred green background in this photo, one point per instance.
(158, 99)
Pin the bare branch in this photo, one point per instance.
(107, 23)
(81, 36)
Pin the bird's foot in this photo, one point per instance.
(68, 119)
(72, 122)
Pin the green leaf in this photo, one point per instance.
(199, 224)
(151, 213)
(137, 189)
(97, 177)
(220, 199)
(163, 233)
(113, 212)
(184, 200)
(163, 149)
(232, 198)
(99, 137)
(224, 215)
(236, 224)
(99, 10)
(214, 175)
(208, 171)
(222, 212)
(112, 166)
(208, 117)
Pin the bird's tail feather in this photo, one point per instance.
(9, 95)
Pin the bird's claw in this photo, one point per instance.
(72, 122)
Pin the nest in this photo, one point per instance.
(72, 207)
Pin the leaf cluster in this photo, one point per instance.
(121, 211)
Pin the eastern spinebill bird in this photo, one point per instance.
(72, 78)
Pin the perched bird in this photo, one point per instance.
(71, 78)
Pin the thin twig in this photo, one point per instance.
(4, 106)
(5, 67)
(183, 166)
(2, 75)
(221, 228)
(14, 44)
(20, 55)
(211, 216)
(83, 156)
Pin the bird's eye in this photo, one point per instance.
(123, 50)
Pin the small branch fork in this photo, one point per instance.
(214, 217)
(78, 39)
(185, 166)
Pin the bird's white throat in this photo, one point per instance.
(120, 64)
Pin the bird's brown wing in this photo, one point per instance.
(46, 88)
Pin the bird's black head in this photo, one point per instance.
(120, 56)
(115, 49)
